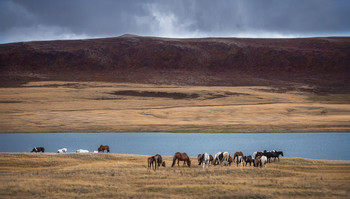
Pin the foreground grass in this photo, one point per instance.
(24, 175)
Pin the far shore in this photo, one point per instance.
(92, 107)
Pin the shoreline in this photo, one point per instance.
(180, 132)
(193, 158)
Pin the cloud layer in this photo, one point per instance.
(22, 20)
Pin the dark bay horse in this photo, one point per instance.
(102, 148)
(181, 157)
(38, 149)
(157, 160)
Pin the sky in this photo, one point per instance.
(29, 20)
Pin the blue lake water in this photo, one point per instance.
(327, 146)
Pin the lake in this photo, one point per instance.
(327, 146)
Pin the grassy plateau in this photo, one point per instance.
(61, 106)
(25, 175)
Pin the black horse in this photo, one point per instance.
(38, 149)
(276, 154)
(248, 159)
(159, 160)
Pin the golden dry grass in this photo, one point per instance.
(92, 107)
(25, 175)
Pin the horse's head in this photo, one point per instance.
(163, 164)
(189, 162)
(281, 153)
(199, 158)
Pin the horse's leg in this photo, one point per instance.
(174, 160)
(149, 165)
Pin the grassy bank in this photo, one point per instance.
(114, 107)
(25, 175)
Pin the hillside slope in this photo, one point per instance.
(204, 61)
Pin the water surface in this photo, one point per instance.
(328, 146)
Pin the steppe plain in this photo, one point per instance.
(25, 175)
(60, 106)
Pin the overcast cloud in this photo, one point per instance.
(27, 20)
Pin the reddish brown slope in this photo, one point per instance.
(208, 61)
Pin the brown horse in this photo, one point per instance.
(150, 161)
(157, 160)
(211, 159)
(102, 148)
(181, 157)
(236, 155)
(257, 161)
(230, 160)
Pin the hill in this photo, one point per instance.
(204, 61)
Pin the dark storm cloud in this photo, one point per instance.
(22, 20)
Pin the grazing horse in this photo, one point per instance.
(268, 155)
(150, 161)
(63, 150)
(38, 149)
(82, 151)
(181, 157)
(248, 159)
(157, 160)
(276, 154)
(240, 161)
(263, 161)
(102, 148)
(218, 156)
(230, 160)
(211, 159)
(257, 153)
(257, 161)
(203, 159)
(221, 157)
(240, 153)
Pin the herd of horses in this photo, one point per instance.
(259, 159)
(100, 149)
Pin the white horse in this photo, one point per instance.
(216, 158)
(82, 151)
(226, 156)
(240, 161)
(221, 157)
(203, 159)
(263, 160)
(63, 150)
